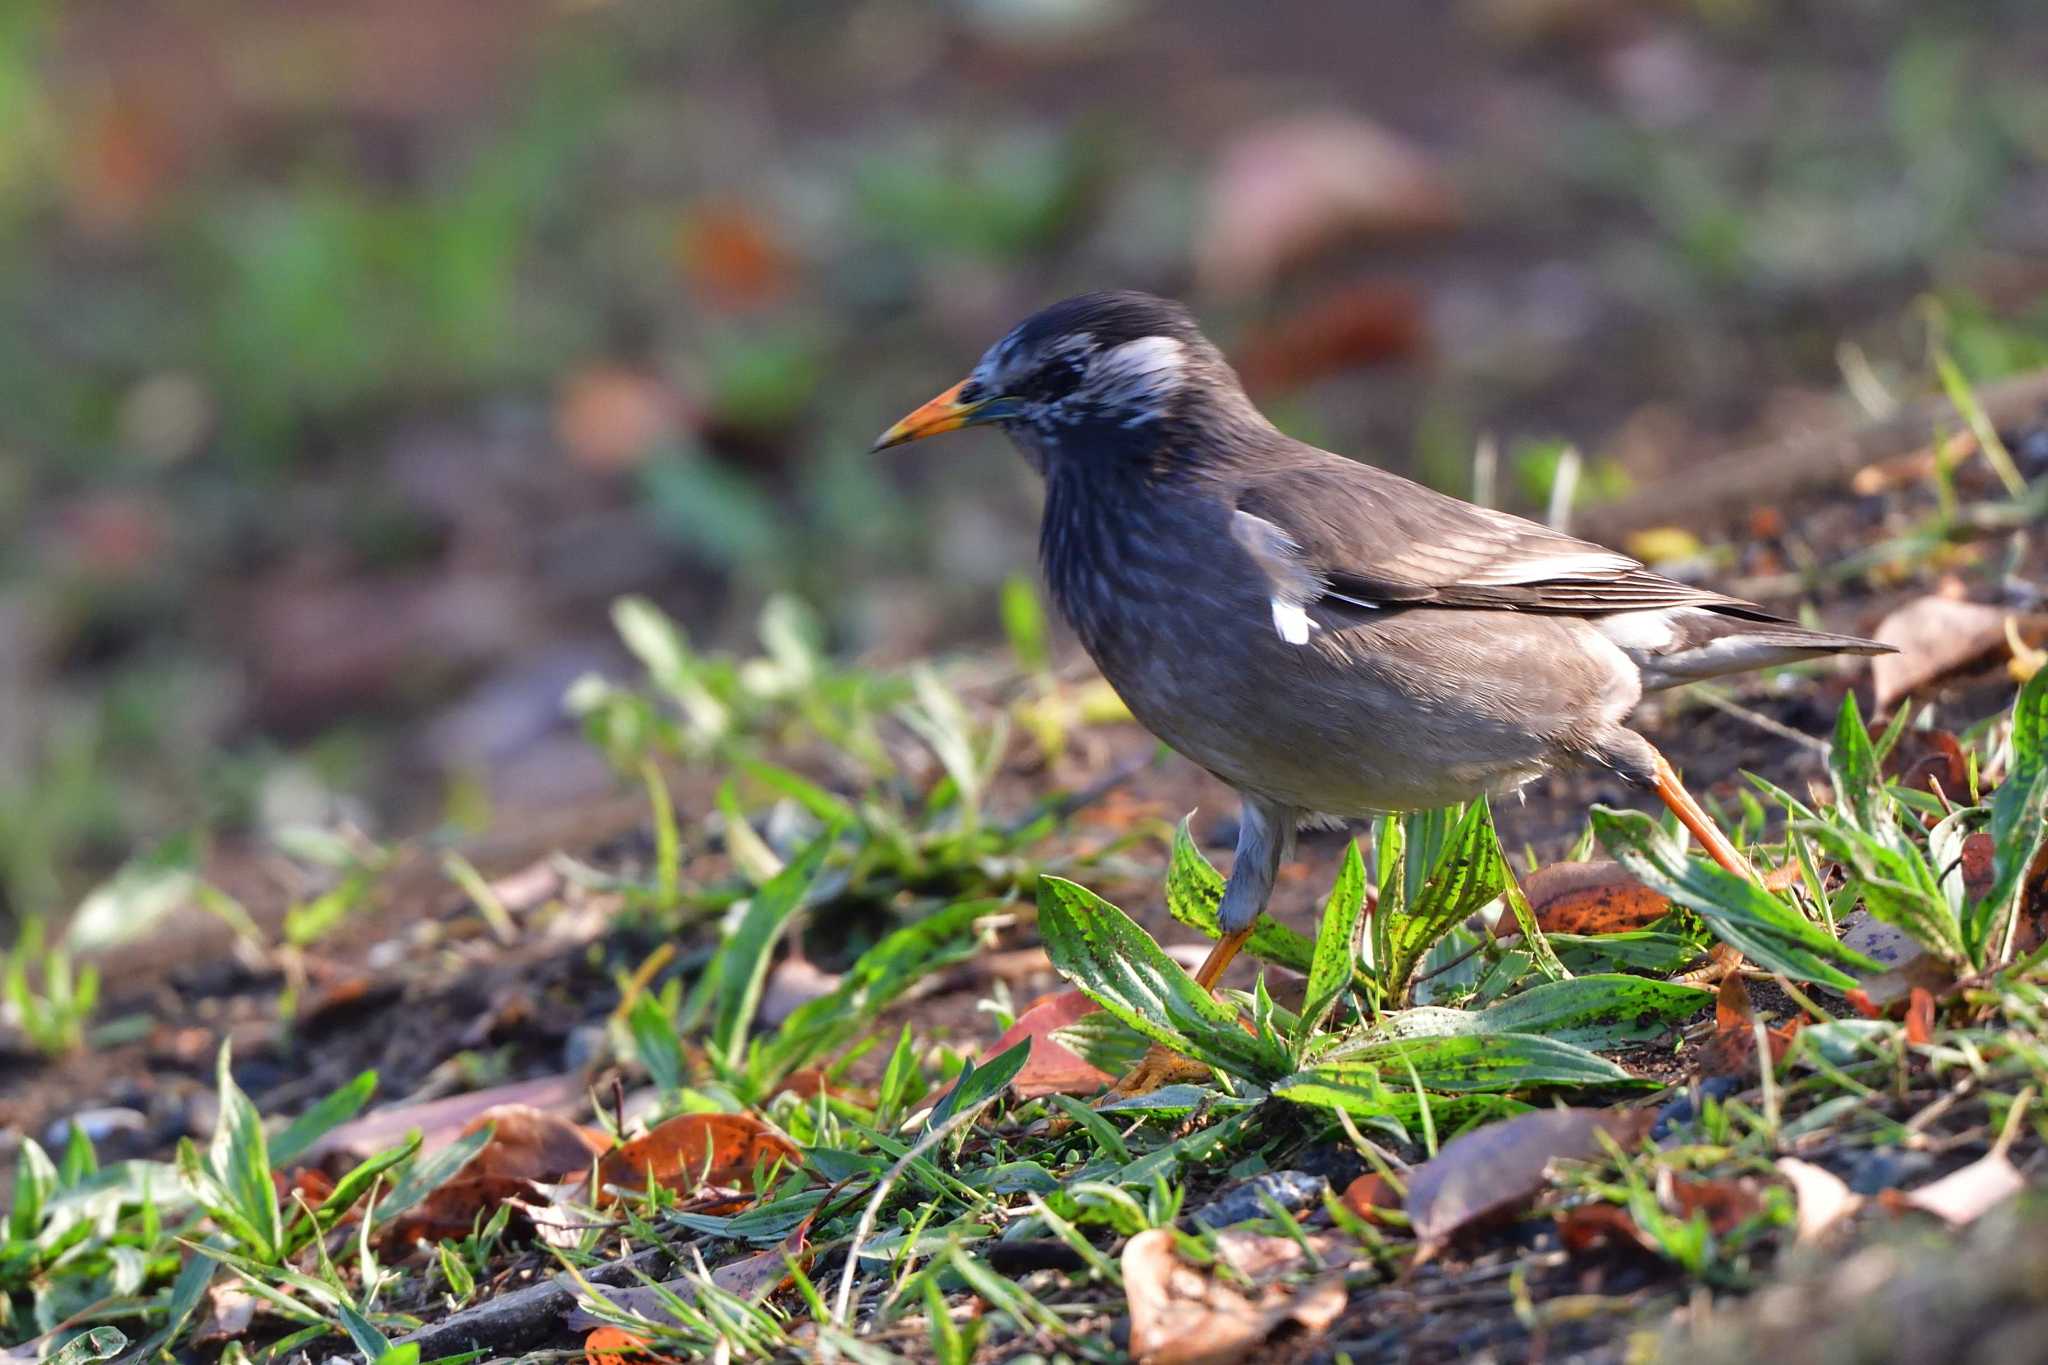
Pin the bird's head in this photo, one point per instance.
(1101, 375)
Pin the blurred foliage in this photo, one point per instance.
(350, 360)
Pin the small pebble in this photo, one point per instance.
(1291, 1190)
(1682, 1109)
(98, 1125)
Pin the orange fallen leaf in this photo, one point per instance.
(1359, 324)
(1370, 1196)
(1726, 1203)
(696, 1149)
(452, 1209)
(1732, 1049)
(1920, 1017)
(1595, 897)
(617, 1346)
(1052, 1068)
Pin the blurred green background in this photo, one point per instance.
(355, 354)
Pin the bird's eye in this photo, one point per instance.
(1055, 381)
(970, 392)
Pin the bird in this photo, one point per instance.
(1330, 639)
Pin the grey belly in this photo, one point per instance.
(1416, 710)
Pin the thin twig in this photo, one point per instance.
(1721, 702)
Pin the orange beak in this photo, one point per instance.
(942, 414)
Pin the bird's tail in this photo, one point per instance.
(1687, 644)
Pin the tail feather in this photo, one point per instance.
(1686, 644)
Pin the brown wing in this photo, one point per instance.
(1377, 540)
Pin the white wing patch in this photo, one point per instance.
(1292, 621)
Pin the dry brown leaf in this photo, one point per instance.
(1726, 1203)
(1929, 761)
(1052, 1068)
(1935, 636)
(531, 1144)
(1595, 897)
(696, 1149)
(1963, 1196)
(792, 983)
(1494, 1170)
(453, 1208)
(1181, 1316)
(441, 1121)
(229, 1310)
(1823, 1200)
(733, 255)
(608, 418)
(1286, 190)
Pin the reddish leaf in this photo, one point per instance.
(1726, 1203)
(1360, 324)
(1732, 1049)
(1370, 1195)
(1495, 1170)
(733, 256)
(1920, 1017)
(691, 1150)
(609, 419)
(1052, 1068)
(1861, 1002)
(1586, 898)
(1587, 1228)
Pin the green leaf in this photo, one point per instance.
(1466, 871)
(1370, 1098)
(1194, 890)
(1769, 932)
(1586, 1011)
(829, 809)
(308, 1128)
(1024, 624)
(352, 1187)
(239, 1162)
(371, 1342)
(748, 851)
(979, 1084)
(1116, 964)
(1472, 1063)
(35, 1180)
(1103, 1041)
(1853, 766)
(1335, 963)
(746, 953)
(656, 1045)
(2018, 809)
(430, 1172)
(90, 1347)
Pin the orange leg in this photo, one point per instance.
(1725, 959)
(1161, 1066)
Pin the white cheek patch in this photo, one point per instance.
(1292, 621)
(1137, 377)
